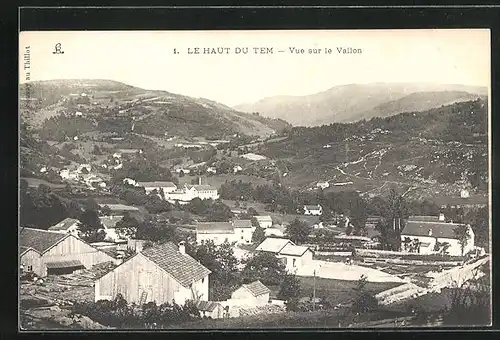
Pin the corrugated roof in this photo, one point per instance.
(64, 264)
(64, 224)
(181, 267)
(157, 184)
(421, 228)
(39, 239)
(257, 288)
(293, 250)
(273, 245)
(242, 223)
(207, 306)
(214, 228)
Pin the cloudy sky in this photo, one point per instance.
(146, 59)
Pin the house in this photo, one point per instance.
(184, 171)
(46, 253)
(163, 273)
(243, 231)
(252, 294)
(237, 168)
(264, 221)
(294, 257)
(130, 181)
(218, 232)
(315, 210)
(211, 170)
(117, 155)
(426, 233)
(66, 226)
(274, 231)
(135, 245)
(464, 193)
(323, 185)
(114, 234)
(167, 187)
(210, 309)
(190, 192)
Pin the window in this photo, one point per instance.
(30, 268)
(202, 280)
(293, 263)
(242, 237)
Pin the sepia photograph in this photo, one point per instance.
(254, 179)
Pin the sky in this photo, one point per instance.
(146, 59)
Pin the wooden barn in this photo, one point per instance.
(162, 273)
(45, 253)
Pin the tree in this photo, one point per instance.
(96, 150)
(258, 235)
(90, 227)
(363, 301)
(462, 234)
(265, 267)
(395, 211)
(298, 231)
(155, 231)
(290, 291)
(252, 212)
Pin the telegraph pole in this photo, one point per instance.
(314, 290)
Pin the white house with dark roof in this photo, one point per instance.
(190, 192)
(251, 294)
(45, 252)
(218, 232)
(162, 273)
(314, 210)
(66, 226)
(294, 257)
(429, 230)
(243, 231)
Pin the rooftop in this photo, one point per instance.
(264, 218)
(421, 228)
(157, 184)
(291, 249)
(273, 245)
(207, 306)
(202, 187)
(181, 267)
(64, 224)
(242, 223)
(256, 288)
(214, 228)
(424, 218)
(38, 239)
(312, 207)
(110, 221)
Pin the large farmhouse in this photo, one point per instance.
(166, 187)
(190, 192)
(239, 231)
(264, 221)
(429, 233)
(294, 257)
(162, 273)
(44, 252)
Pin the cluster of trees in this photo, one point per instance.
(143, 169)
(226, 277)
(153, 202)
(41, 207)
(210, 210)
(118, 313)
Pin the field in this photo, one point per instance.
(35, 182)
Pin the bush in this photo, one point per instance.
(117, 313)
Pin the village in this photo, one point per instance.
(60, 267)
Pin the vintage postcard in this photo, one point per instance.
(254, 179)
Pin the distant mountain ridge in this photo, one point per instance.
(353, 102)
(106, 103)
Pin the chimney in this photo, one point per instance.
(441, 217)
(199, 180)
(182, 247)
(430, 232)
